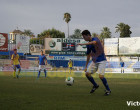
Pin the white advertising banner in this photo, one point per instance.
(36, 48)
(129, 45)
(22, 43)
(111, 46)
(52, 44)
(82, 47)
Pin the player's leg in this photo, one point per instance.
(101, 67)
(39, 73)
(108, 91)
(44, 68)
(70, 70)
(19, 70)
(123, 69)
(45, 72)
(92, 69)
(14, 72)
(40, 67)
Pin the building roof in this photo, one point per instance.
(17, 31)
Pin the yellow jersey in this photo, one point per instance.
(70, 64)
(15, 59)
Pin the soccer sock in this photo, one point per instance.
(45, 73)
(105, 84)
(90, 78)
(38, 74)
(14, 74)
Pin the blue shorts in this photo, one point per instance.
(70, 68)
(16, 66)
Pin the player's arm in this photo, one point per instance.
(11, 62)
(38, 60)
(46, 61)
(19, 61)
(99, 50)
(120, 64)
(89, 43)
(12, 58)
(88, 58)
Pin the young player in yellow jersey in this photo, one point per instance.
(16, 63)
(70, 65)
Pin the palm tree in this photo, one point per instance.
(127, 30)
(123, 29)
(95, 34)
(28, 33)
(120, 27)
(67, 18)
(105, 33)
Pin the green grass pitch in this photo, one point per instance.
(28, 93)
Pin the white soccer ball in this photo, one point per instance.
(69, 81)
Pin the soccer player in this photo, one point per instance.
(95, 49)
(42, 60)
(15, 61)
(122, 66)
(70, 65)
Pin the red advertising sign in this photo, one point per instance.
(3, 42)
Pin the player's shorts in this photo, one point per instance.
(100, 66)
(16, 66)
(70, 68)
(42, 67)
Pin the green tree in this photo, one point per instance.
(67, 18)
(105, 33)
(95, 35)
(28, 32)
(77, 34)
(52, 33)
(123, 29)
(37, 41)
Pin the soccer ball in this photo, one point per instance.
(69, 81)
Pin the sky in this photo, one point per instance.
(40, 15)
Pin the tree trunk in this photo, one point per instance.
(68, 29)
